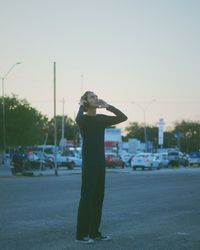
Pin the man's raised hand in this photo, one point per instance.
(103, 104)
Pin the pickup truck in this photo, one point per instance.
(65, 161)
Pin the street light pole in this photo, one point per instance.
(63, 127)
(3, 120)
(55, 121)
(144, 109)
(3, 111)
(145, 130)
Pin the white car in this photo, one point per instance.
(74, 158)
(33, 157)
(65, 161)
(145, 161)
(77, 160)
(194, 159)
(163, 158)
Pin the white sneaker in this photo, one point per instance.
(85, 240)
(102, 237)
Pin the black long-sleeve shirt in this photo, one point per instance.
(92, 130)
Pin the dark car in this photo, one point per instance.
(194, 159)
(17, 163)
(183, 159)
(113, 161)
(173, 158)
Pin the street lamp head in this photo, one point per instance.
(19, 63)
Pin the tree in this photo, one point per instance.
(71, 131)
(190, 135)
(24, 124)
(169, 140)
(188, 131)
(135, 130)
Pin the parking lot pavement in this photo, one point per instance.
(143, 210)
(127, 170)
(6, 172)
(162, 171)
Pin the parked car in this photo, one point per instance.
(145, 161)
(33, 161)
(173, 157)
(130, 159)
(163, 158)
(65, 161)
(46, 159)
(126, 158)
(194, 159)
(113, 161)
(156, 161)
(37, 159)
(17, 165)
(183, 159)
(74, 158)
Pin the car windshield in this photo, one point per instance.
(173, 153)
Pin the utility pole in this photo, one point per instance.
(55, 122)
(144, 109)
(63, 126)
(3, 110)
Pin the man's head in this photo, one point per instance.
(90, 100)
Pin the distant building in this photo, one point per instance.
(134, 145)
(113, 139)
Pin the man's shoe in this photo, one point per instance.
(85, 240)
(102, 237)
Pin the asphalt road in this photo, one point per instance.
(142, 211)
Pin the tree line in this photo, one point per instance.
(27, 126)
(185, 135)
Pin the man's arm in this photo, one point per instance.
(112, 120)
(79, 117)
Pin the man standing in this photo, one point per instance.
(92, 127)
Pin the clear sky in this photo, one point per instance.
(129, 52)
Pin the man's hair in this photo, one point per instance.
(84, 97)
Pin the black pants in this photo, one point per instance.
(91, 201)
